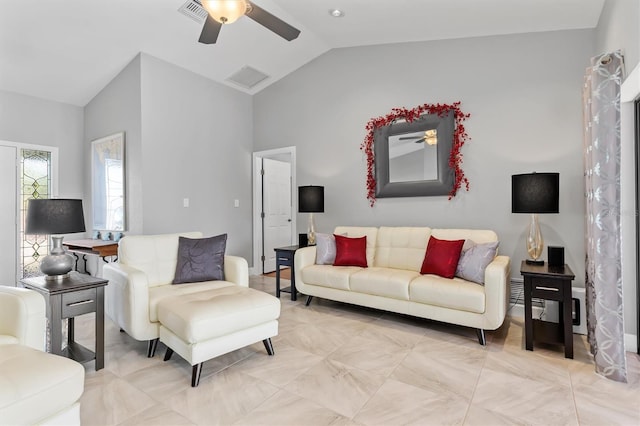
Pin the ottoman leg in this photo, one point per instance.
(195, 375)
(168, 353)
(268, 346)
(151, 347)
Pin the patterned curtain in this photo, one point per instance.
(602, 178)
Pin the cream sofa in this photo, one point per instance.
(35, 387)
(392, 282)
(142, 278)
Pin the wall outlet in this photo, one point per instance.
(236, 203)
(185, 202)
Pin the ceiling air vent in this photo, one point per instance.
(192, 9)
(247, 77)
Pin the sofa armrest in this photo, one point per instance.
(304, 257)
(496, 286)
(236, 270)
(23, 315)
(127, 300)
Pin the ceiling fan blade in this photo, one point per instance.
(272, 22)
(407, 138)
(210, 31)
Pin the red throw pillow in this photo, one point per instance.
(351, 251)
(442, 257)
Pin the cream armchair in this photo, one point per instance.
(35, 387)
(142, 277)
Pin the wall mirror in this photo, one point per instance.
(412, 158)
(108, 183)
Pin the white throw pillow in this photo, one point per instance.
(325, 249)
(475, 259)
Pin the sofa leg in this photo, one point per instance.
(268, 346)
(168, 353)
(481, 339)
(309, 299)
(195, 375)
(151, 347)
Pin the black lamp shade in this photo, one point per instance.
(311, 199)
(535, 193)
(54, 216)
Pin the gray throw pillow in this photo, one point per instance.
(325, 249)
(474, 260)
(200, 259)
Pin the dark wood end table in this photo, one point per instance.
(284, 257)
(68, 298)
(548, 283)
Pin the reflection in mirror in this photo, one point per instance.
(107, 176)
(413, 156)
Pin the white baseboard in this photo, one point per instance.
(630, 342)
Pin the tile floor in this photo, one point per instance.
(337, 364)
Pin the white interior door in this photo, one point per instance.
(8, 212)
(277, 208)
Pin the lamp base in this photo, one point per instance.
(56, 277)
(535, 262)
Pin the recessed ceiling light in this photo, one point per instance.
(336, 13)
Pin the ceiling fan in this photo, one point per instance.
(430, 137)
(221, 12)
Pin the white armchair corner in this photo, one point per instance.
(22, 317)
(36, 387)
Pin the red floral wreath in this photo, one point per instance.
(460, 136)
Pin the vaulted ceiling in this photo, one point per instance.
(68, 50)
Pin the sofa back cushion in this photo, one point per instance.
(155, 255)
(358, 231)
(478, 236)
(401, 247)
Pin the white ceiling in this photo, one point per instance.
(68, 50)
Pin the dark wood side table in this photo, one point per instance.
(548, 283)
(68, 298)
(284, 257)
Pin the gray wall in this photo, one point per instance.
(524, 96)
(30, 120)
(619, 28)
(117, 108)
(196, 144)
(186, 137)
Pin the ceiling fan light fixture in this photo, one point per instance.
(336, 13)
(225, 11)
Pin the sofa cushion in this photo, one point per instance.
(35, 385)
(351, 251)
(359, 231)
(449, 293)
(157, 293)
(474, 260)
(200, 259)
(329, 276)
(442, 257)
(385, 282)
(401, 247)
(155, 255)
(478, 236)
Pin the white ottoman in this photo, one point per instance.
(201, 326)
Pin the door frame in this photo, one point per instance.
(257, 157)
(54, 188)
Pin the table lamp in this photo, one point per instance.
(535, 193)
(311, 200)
(55, 216)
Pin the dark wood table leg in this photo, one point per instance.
(294, 292)
(567, 325)
(277, 276)
(528, 320)
(54, 311)
(100, 329)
